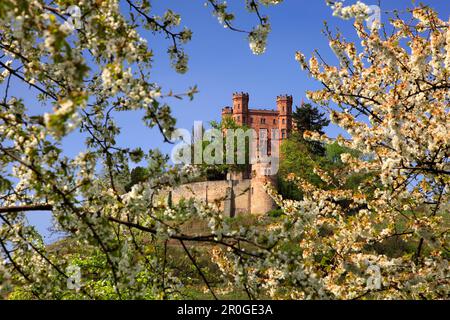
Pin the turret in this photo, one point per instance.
(284, 107)
(240, 107)
(261, 201)
(226, 112)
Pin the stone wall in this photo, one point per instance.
(261, 202)
(233, 197)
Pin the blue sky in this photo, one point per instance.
(222, 63)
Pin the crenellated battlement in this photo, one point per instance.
(240, 95)
(279, 117)
(284, 97)
(284, 105)
(227, 110)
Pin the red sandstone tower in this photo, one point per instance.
(240, 111)
(284, 108)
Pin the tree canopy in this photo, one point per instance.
(309, 118)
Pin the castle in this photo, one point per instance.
(243, 192)
(262, 119)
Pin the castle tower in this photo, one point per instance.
(226, 112)
(240, 108)
(261, 202)
(284, 108)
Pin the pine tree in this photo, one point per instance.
(309, 118)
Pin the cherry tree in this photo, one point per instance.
(392, 97)
(83, 62)
(392, 91)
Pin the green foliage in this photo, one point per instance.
(137, 175)
(219, 171)
(308, 118)
(301, 156)
(275, 213)
(297, 158)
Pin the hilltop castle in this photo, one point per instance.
(262, 119)
(243, 192)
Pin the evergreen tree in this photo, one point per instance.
(309, 118)
(137, 175)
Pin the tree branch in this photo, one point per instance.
(33, 207)
(194, 262)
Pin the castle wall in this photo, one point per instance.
(247, 196)
(207, 191)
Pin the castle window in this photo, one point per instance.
(263, 120)
(238, 118)
(284, 121)
(283, 134)
(274, 121)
